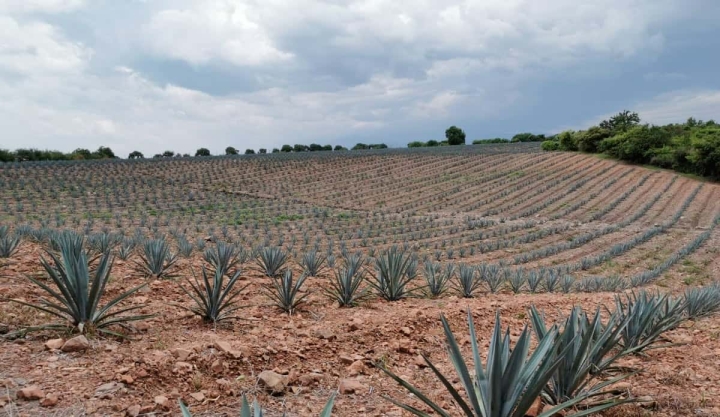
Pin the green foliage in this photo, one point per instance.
(621, 122)
(636, 144)
(339, 148)
(550, 145)
(77, 295)
(136, 155)
(249, 152)
(588, 140)
(283, 291)
(437, 278)
(567, 141)
(705, 153)
(286, 148)
(202, 152)
(262, 151)
(528, 137)
(223, 257)
(394, 270)
(231, 151)
(455, 136)
(490, 141)
(508, 385)
(213, 302)
(416, 144)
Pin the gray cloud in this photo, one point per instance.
(160, 74)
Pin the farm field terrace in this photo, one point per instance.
(553, 230)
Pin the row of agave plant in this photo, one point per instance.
(572, 367)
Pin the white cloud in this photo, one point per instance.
(221, 30)
(42, 6)
(677, 106)
(37, 47)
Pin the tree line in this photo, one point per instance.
(692, 147)
(103, 152)
(456, 136)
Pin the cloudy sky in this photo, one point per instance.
(153, 75)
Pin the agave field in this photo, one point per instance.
(489, 280)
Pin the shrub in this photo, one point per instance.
(550, 145)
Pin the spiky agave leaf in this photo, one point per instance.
(510, 382)
(77, 295)
(437, 278)
(648, 316)
(393, 273)
(346, 287)
(585, 350)
(157, 259)
(271, 260)
(214, 302)
(284, 292)
(312, 263)
(701, 302)
(467, 281)
(222, 257)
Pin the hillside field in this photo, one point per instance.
(594, 227)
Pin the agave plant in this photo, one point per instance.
(701, 302)
(157, 260)
(8, 244)
(492, 276)
(586, 349)
(284, 292)
(77, 295)
(648, 317)
(312, 263)
(508, 385)
(256, 411)
(223, 257)
(468, 281)
(126, 249)
(271, 260)
(393, 273)
(214, 302)
(347, 287)
(437, 278)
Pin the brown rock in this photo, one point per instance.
(133, 410)
(273, 382)
(406, 331)
(535, 409)
(325, 333)
(217, 366)
(420, 361)
(31, 393)
(76, 344)
(162, 401)
(53, 344)
(107, 391)
(350, 386)
(198, 396)
(181, 354)
(50, 400)
(356, 368)
(126, 379)
(347, 360)
(222, 346)
(310, 379)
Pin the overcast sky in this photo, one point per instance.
(152, 75)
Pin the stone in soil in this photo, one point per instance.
(273, 382)
(76, 344)
(31, 393)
